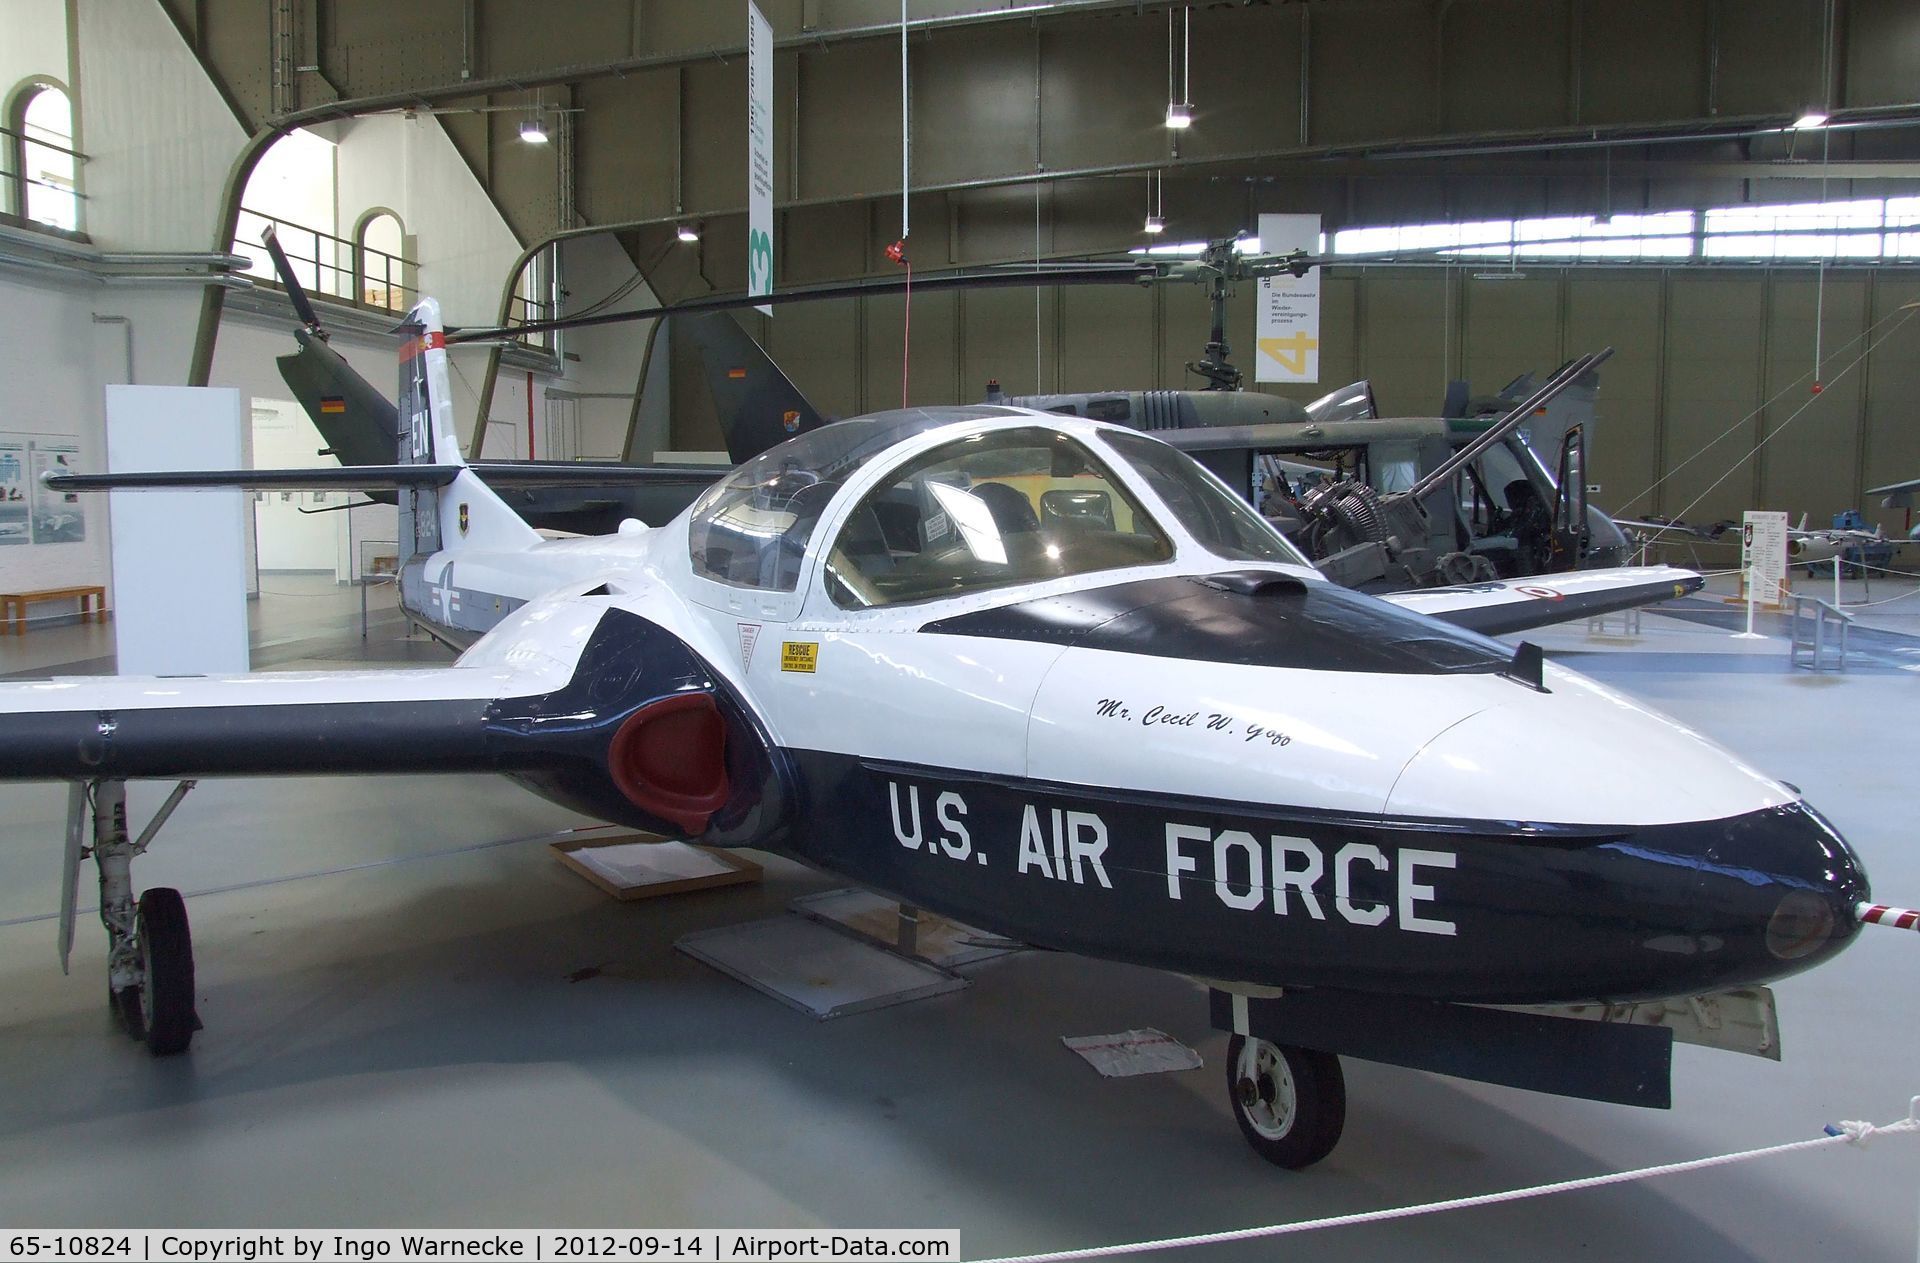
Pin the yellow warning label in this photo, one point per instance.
(799, 655)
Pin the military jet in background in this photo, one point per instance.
(1049, 677)
(1853, 545)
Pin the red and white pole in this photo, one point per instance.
(1885, 914)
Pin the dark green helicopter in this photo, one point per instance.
(1380, 503)
(1334, 474)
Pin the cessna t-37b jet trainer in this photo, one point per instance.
(1049, 677)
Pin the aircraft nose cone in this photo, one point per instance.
(1656, 852)
(1784, 885)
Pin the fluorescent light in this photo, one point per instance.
(533, 131)
(1179, 114)
(1156, 223)
(687, 232)
(1812, 118)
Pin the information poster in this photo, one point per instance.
(1763, 555)
(1287, 327)
(59, 517)
(15, 527)
(29, 513)
(759, 154)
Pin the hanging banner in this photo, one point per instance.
(1763, 555)
(1287, 327)
(759, 154)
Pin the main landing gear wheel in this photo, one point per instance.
(149, 946)
(165, 944)
(1291, 1103)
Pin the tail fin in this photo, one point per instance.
(758, 404)
(465, 513)
(355, 419)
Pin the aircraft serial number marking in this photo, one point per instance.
(1281, 873)
(1194, 720)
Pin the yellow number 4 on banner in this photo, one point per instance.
(1290, 352)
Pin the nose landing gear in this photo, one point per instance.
(1290, 1102)
(149, 944)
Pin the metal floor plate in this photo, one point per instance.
(816, 968)
(937, 940)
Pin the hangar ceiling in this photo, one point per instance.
(1041, 120)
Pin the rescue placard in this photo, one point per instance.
(799, 655)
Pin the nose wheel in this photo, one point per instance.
(1290, 1102)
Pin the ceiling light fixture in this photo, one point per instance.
(1180, 109)
(534, 131)
(687, 232)
(1156, 208)
(1809, 120)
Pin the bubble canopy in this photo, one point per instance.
(990, 509)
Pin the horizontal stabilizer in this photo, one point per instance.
(372, 477)
(343, 478)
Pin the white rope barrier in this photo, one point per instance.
(1784, 391)
(1903, 574)
(1867, 605)
(1850, 1132)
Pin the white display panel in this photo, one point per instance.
(1287, 332)
(179, 557)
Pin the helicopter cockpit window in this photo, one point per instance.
(751, 529)
(1220, 520)
(1011, 506)
(1396, 467)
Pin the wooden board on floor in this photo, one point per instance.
(637, 867)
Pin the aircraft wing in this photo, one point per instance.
(1669, 528)
(1511, 605)
(500, 474)
(1896, 488)
(436, 719)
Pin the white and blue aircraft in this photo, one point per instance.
(1049, 677)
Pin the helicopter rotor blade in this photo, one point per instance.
(1010, 277)
(296, 293)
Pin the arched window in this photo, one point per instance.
(380, 242)
(43, 165)
(531, 294)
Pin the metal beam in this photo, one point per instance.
(201, 366)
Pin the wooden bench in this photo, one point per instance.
(13, 605)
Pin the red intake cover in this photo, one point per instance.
(670, 759)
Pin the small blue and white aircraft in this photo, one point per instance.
(1049, 677)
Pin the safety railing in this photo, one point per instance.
(40, 180)
(1819, 634)
(350, 271)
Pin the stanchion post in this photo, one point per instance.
(1836, 581)
(1752, 577)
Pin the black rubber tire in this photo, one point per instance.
(125, 1006)
(166, 994)
(1319, 1104)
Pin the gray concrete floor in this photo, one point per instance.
(395, 1036)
